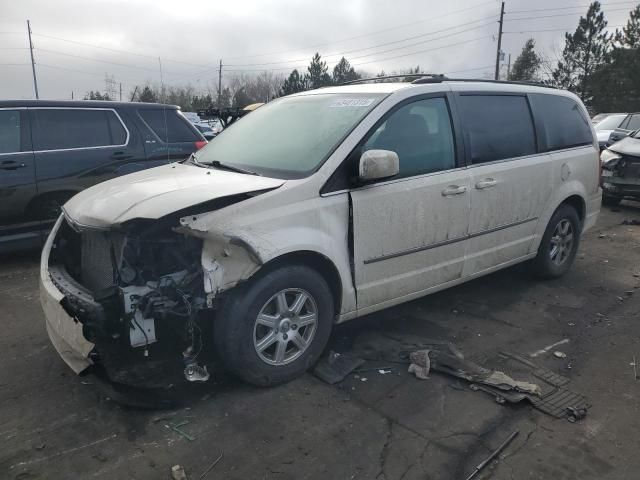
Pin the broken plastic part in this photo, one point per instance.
(196, 373)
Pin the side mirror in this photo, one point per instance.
(377, 164)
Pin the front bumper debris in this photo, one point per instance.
(65, 332)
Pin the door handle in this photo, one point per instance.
(11, 165)
(486, 183)
(453, 190)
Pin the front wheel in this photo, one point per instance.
(559, 243)
(273, 328)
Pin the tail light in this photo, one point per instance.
(199, 144)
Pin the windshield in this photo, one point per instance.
(610, 123)
(289, 137)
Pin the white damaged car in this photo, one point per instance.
(315, 209)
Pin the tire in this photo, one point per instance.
(610, 201)
(553, 264)
(239, 335)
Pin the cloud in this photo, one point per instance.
(191, 36)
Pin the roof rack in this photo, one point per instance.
(422, 78)
(503, 82)
(433, 77)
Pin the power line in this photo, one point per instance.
(567, 8)
(424, 51)
(56, 52)
(340, 54)
(556, 29)
(560, 15)
(13, 64)
(367, 34)
(128, 52)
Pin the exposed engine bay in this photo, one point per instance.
(138, 292)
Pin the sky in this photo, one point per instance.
(77, 43)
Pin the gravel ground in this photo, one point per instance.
(56, 425)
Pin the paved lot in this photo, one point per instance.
(55, 425)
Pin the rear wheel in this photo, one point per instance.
(275, 327)
(559, 243)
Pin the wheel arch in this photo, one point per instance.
(319, 262)
(578, 203)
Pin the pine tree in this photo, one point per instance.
(318, 76)
(584, 52)
(525, 68)
(630, 35)
(344, 72)
(147, 95)
(616, 84)
(294, 84)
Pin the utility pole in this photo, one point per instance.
(161, 82)
(509, 68)
(220, 84)
(33, 63)
(497, 75)
(121, 86)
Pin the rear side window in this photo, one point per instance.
(634, 123)
(561, 121)
(420, 133)
(168, 125)
(9, 131)
(497, 127)
(60, 128)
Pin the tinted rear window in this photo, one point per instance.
(55, 129)
(497, 127)
(562, 122)
(9, 131)
(168, 125)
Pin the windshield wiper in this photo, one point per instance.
(233, 168)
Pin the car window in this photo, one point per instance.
(611, 122)
(292, 136)
(168, 125)
(60, 128)
(9, 131)
(498, 127)
(420, 133)
(562, 122)
(634, 122)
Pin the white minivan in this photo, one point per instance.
(318, 208)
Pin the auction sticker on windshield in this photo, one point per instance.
(353, 102)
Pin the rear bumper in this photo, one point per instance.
(64, 331)
(594, 203)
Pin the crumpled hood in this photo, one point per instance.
(627, 146)
(157, 192)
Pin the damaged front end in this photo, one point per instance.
(137, 292)
(620, 175)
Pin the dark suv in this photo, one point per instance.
(50, 150)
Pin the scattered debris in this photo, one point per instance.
(386, 369)
(559, 354)
(631, 222)
(336, 366)
(177, 428)
(635, 368)
(493, 455)
(603, 235)
(420, 364)
(195, 373)
(575, 414)
(178, 473)
(210, 467)
(549, 347)
(382, 371)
